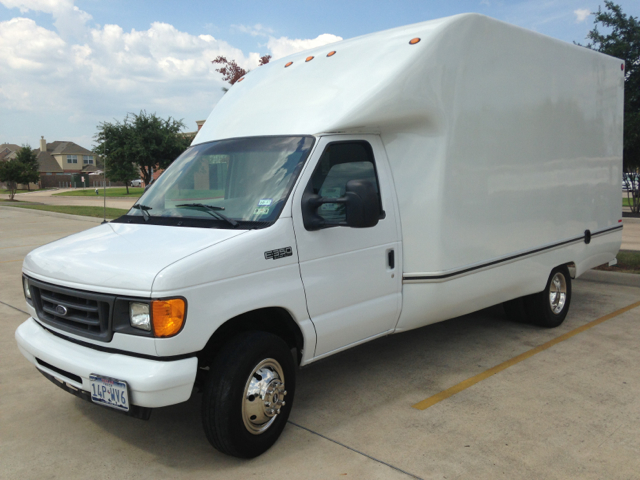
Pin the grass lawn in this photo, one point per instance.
(626, 202)
(111, 192)
(7, 192)
(628, 262)
(70, 209)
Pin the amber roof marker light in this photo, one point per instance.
(308, 59)
(239, 80)
(413, 41)
(331, 53)
(288, 64)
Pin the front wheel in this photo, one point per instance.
(248, 394)
(549, 308)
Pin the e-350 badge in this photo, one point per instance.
(278, 253)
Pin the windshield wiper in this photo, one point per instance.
(144, 209)
(211, 210)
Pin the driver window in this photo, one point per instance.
(340, 163)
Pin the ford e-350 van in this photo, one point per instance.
(352, 191)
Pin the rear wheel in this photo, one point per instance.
(244, 409)
(549, 308)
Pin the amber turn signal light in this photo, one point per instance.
(413, 41)
(167, 316)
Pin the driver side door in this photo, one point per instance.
(352, 276)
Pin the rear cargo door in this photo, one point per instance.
(352, 276)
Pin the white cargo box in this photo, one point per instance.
(504, 145)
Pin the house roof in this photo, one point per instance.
(8, 154)
(67, 148)
(48, 163)
(11, 146)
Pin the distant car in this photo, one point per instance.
(136, 183)
(630, 182)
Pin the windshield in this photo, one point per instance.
(227, 183)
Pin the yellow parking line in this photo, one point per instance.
(469, 382)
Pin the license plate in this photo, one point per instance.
(109, 392)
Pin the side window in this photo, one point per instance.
(340, 163)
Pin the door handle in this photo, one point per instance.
(391, 259)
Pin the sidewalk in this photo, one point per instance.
(630, 234)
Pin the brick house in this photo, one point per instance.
(57, 158)
(64, 158)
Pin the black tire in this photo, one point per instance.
(230, 374)
(515, 310)
(540, 310)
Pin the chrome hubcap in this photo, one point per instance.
(263, 396)
(557, 293)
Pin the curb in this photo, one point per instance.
(615, 278)
(44, 213)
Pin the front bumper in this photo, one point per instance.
(152, 383)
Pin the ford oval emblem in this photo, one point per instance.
(61, 310)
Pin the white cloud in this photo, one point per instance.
(69, 20)
(254, 31)
(581, 14)
(51, 83)
(283, 46)
(112, 73)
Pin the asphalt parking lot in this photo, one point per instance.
(572, 410)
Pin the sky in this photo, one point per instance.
(68, 65)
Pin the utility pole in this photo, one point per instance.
(104, 191)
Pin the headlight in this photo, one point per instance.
(139, 316)
(25, 286)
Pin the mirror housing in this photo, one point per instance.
(361, 202)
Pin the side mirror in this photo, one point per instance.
(361, 204)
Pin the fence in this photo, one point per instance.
(74, 180)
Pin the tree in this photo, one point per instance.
(623, 41)
(11, 172)
(138, 145)
(31, 168)
(114, 148)
(231, 71)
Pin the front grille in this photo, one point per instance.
(76, 311)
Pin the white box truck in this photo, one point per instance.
(360, 189)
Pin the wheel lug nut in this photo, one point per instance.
(283, 404)
(267, 404)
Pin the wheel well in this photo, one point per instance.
(572, 269)
(273, 320)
